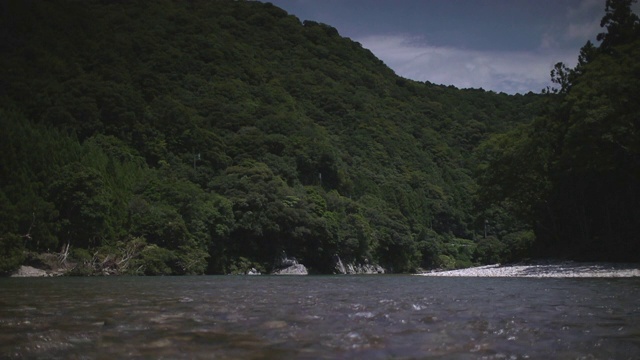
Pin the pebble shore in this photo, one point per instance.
(549, 270)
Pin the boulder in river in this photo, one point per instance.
(30, 271)
(285, 265)
(296, 269)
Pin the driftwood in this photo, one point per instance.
(116, 263)
(64, 254)
(28, 234)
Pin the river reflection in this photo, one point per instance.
(326, 317)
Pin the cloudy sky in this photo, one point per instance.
(501, 45)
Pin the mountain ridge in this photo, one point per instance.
(211, 136)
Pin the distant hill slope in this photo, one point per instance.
(212, 136)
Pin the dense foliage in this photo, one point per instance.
(580, 186)
(212, 136)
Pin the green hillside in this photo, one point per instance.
(161, 137)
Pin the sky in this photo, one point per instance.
(505, 46)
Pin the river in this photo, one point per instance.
(319, 317)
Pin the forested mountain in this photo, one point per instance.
(162, 137)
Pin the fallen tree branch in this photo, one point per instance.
(64, 254)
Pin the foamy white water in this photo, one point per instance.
(552, 270)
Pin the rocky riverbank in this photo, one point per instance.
(355, 269)
(566, 269)
(30, 271)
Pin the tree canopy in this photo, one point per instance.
(584, 163)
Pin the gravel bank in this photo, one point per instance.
(547, 270)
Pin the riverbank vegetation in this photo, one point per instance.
(210, 137)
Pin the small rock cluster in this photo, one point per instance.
(296, 269)
(289, 266)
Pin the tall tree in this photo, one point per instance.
(621, 23)
(590, 143)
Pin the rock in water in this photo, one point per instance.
(297, 269)
(29, 271)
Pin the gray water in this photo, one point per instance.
(315, 317)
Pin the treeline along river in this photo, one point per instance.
(372, 317)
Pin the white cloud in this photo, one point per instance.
(583, 31)
(549, 41)
(500, 71)
(586, 8)
(583, 21)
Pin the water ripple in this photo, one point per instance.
(377, 317)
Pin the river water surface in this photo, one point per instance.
(319, 317)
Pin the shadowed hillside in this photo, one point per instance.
(212, 136)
